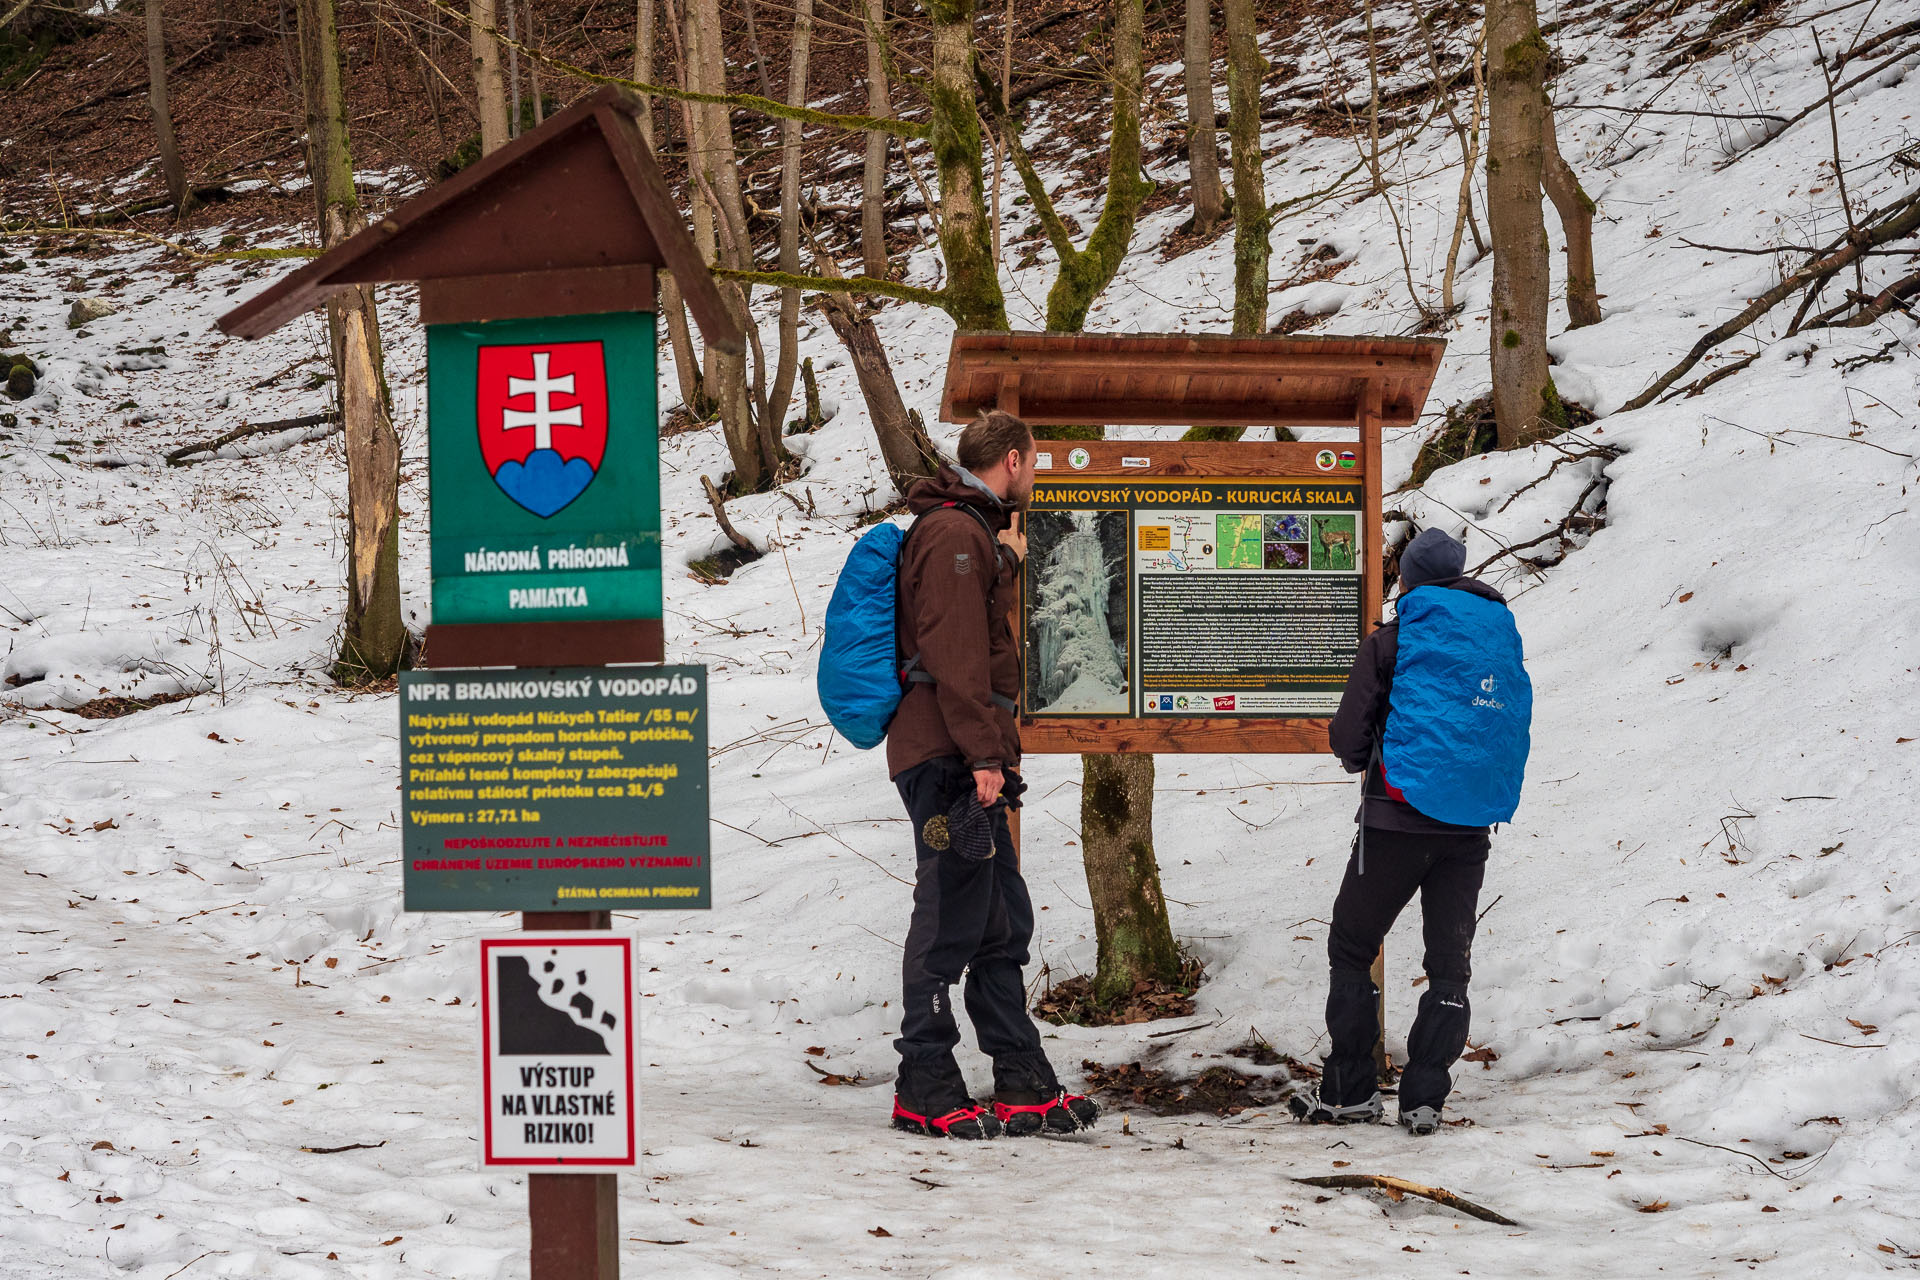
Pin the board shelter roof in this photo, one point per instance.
(563, 212)
(1154, 379)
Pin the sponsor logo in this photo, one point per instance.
(1166, 702)
(1078, 459)
(1136, 462)
(542, 420)
(1346, 459)
(1181, 702)
(1224, 703)
(1325, 460)
(1043, 462)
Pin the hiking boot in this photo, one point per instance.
(1420, 1121)
(1024, 1114)
(968, 1121)
(1308, 1108)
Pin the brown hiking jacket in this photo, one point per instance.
(957, 586)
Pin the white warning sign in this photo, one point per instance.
(558, 1048)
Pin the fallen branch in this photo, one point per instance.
(734, 536)
(180, 457)
(1397, 1187)
(1900, 220)
(128, 233)
(1558, 531)
(351, 1146)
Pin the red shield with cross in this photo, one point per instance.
(542, 411)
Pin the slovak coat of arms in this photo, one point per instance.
(542, 412)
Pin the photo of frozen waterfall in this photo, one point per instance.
(1077, 613)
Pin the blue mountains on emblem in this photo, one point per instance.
(544, 484)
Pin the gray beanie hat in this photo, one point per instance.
(1431, 557)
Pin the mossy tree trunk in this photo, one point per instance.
(373, 641)
(1576, 210)
(974, 299)
(1134, 936)
(1525, 405)
(1131, 931)
(1252, 222)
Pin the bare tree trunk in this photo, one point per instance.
(170, 166)
(1525, 406)
(1252, 224)
(373, 640)
(1203, 145)
(686, 361)
(873, 182)
(973, 277)
(533, 70)
(904, 445)
(789, 360)
(751, 443)
(483, 21)
(513, 68)
(1469, 162)
(1576, 209)
(1133, 937)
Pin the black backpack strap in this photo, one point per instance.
(911, 672)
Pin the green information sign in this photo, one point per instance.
(544, 469)
(574, 788)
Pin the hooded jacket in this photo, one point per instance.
(1361, 723)
(957, 594)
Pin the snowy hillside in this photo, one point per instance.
(1696, 970)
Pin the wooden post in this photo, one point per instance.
(574, 1218)
(1373, 578)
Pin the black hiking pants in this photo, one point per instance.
(1446, 870)
(971, 917)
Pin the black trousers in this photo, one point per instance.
(1446, 870)
(973, 918)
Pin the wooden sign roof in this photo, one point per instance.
(1186, 379)
(575, 211)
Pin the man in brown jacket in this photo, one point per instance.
(953, 750)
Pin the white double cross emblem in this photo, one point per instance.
(543, 418)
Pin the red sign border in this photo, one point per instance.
(517, 940)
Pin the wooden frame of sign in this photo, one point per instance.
(1364, 384)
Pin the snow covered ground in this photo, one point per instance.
(1696, 966)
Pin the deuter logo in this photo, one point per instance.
(1487, 687)
(1224, 703)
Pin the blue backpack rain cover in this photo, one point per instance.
(1457, 728)
(859, 676)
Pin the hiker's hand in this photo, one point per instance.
(987, 784)
(1015, 541)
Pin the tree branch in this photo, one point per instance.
(828, 284)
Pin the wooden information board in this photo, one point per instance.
(1194, 597)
